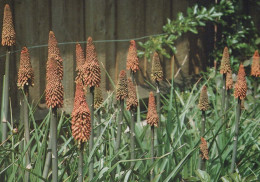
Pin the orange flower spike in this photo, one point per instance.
(131, 102)
(81, 120)
(229, 80)
(25, 73)
(152, 116)
(255, 68)
(90, 72)
(54, 88)
(241, 86)
(203, 102)
(157, 73)
(98, 99)
(121, 88)
(225, 62)
(80, 58)
(132, 59)
(8, 33)
(204, 149)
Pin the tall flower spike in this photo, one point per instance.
(131, 102)
(80, 60)
(240, 86)
(98, 99)
(54, 51)
(54, 88)
(25, 73)
(90, 72)
(225, 62)
(203, 102)
(255, 68)
(132, 59)
(80, 122)
(152, 116)
(8, 33)
(204, 149)
(229, 80)
(121, 89)
(157, 73)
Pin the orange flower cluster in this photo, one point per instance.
(54, 88)
(152, 116)
(225, 62)
(229, 80)
(203, 102)
(90, 72)
(81, 121)
(53, 51)
(25, 73)
(132, 59)
(157, 73)
(204, 149)
(131, 101)
(98, 99)
(8, 33)
(80, 60)
(255, 68)
(121, 88)
(240, 86)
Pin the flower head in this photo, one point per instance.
(132, 59)
(152, 116)
(157, 73)
(81, 121)
(54, 88)
(203, 102)
(8, 33)
(25, 73)
(80, 60)
(204, 149)
(229, 80)
(121, 88)
(240, 86)
(98, 99)
(131, 101)
(255, 68)
(225, 62)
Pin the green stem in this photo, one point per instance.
(255, 92)
(223, 94)
(26, 131)
(132, 138)
(227, 103)
(152, 152)
(80, 169)
(91, 141)
(158, 105)
(234, 155)
(202, 132)
(99, 122)
(54, 145)
(5, 96)
(48, 159)
(119, 125)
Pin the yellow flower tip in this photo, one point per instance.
(157, 72)
(241, 86)
(132, 59)
(8, 32)
(203, 101)
(225, 62)
(131, 102)
(121, 89)
(255, 68)
(25, 73)
(152, 116)
(204, 149)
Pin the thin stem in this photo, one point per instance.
(132, 138)
(158, 105)
(26, 131)
(152, 152)
(202, 132)
(80, 169)
(5, 96)
(255, 92)
(54, 146)
(48, 159)
(227, 102)
(119, 125)
(223, 94)
(91, 141)
(99, 122)
(234, 155)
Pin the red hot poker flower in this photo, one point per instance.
(132, 59)
(241, 86)
(152, 116)
(8, 33)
